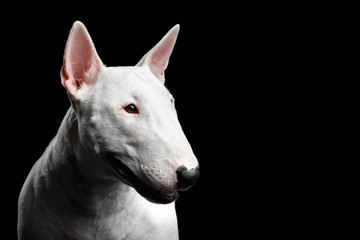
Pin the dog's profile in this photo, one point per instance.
(120, 157)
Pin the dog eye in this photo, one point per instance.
(131, 108)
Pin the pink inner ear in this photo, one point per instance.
(158, 57)
(80, 56)
(81, 62)
(162, 54)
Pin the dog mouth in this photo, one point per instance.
(149, 192)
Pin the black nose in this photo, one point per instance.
(186, 178)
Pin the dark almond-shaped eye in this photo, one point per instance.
(131, 108)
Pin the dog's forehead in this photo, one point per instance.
(133, 80)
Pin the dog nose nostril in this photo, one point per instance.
(186, 178)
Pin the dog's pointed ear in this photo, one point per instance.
(81, 62)
(158, 57)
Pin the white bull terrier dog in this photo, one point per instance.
(114, 169)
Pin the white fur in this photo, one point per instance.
(73, 192)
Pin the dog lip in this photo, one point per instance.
(148, 192)
(120, 168)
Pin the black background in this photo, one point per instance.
(227, 75)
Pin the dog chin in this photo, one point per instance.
(128, 177)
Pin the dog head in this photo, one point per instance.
(127, 117)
